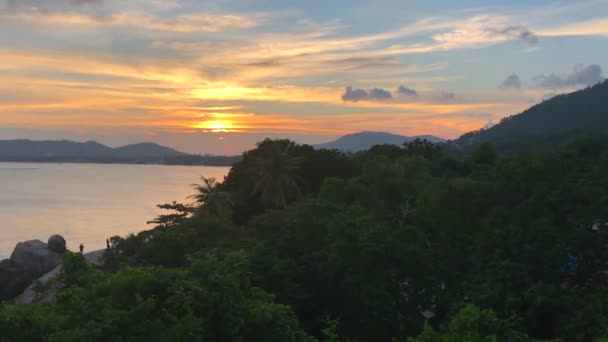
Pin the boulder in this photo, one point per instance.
(56, 243)
(29, 260)
(35, 257)
(12, 279)
(45, 293)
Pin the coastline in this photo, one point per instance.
(88, 203)
(77, 162)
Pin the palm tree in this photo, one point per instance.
(276, 171)
(209, 196)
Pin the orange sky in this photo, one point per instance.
(219, 76)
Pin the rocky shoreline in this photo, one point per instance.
(29, 261)
(43, 289)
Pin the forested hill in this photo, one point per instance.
(365, 140)
(563, 118)
(146, 149)
(93, 152)
(29, 149)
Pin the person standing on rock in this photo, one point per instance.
(81, 248)
(108, 244)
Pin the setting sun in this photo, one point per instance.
(215, 126)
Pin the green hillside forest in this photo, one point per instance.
(547, 125)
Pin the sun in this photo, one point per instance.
(215, 125)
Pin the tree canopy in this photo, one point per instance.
(391, 244)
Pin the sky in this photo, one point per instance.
(218, 76)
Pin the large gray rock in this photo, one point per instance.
(29, 260)
(56, 243)
(43, 294)
(12, 279)
(34, 256)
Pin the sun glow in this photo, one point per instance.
(215, 126)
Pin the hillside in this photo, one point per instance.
(90, 151)
(51, 148)
(63, 151)
(563, 118)
(146, 150)
(364, 140)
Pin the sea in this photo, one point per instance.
(88, 203)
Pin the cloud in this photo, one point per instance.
(365, 63)
(354, 95)
(48, 4)
(475, 32)
(515, 32)
(185, 23)
(511, 82)
(580, 75)
(376, 94)
(271, 63)
(591, 27)
(85, 2)
(403, 90)
(405, 96)
(380, 94)
(447, 96)
(95, 13)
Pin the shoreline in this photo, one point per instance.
(43, 162)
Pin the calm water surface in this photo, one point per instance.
(88, 202)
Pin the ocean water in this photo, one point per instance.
(87, 203)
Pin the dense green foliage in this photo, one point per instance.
(212, 299)
(393, 244)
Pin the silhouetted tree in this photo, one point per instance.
(277, 173)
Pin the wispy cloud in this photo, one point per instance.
(511, 82)
(446, 96)
(597, 26)
(49, 4)
(405, 91)
(183, 23)
(475, 32)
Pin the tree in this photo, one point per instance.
(178, 212)
(372, 262)
(210, 300)
(473, 324)
(422, 148)
(277, 173)
(484, 154)
(211, 197)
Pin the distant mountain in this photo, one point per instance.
(559, 120)
(146, 150)
(34, 149)
(65, 150)
(365, 140)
